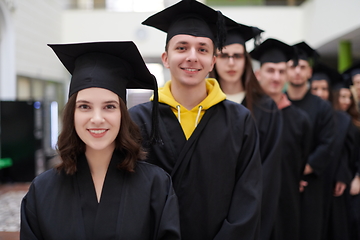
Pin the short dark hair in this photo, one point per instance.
(70, 146)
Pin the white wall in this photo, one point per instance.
(7, 54)
(326, 20)
(283, 23)
(37, 23)
(101, 25)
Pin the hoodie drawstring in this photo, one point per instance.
(198, 116)
(178, 108)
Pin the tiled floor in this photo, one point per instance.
(10, 200)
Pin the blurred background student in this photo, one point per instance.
(233, 70)
(337, 175)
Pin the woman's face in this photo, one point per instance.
(97, 118)
(320, 88)
(344, 99)
(230, 63)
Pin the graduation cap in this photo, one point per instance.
(305, 52)
(115, 66)
(272, 50)
(352, 71)
(193, 18)
(243, 33)
(332, 76)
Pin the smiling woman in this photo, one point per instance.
(101, 189)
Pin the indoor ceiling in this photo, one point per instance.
(329, 51)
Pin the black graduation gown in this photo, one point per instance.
(322, 121)
(296, 142)
(338, 170)
(140, 205)
(353, 202)
(269, 124)
(216, 173)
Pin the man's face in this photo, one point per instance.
(299, 75)
(272, 77)
(230, 63)
(189, 59)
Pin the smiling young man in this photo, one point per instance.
(208, 144)
(322, 123)
(272, 76)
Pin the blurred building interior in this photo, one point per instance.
(30, 72)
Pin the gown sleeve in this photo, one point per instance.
(306, 141)
(29, 227)
(343, 173)
(270, 150)
(169, 220)
(243, 219)
(319, 158)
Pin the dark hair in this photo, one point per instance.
(352, 110)
(249, 81)
(70, 146)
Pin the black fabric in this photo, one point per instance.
(111, 65)
(335, 217)
(323, 135)
(353, 70)
(269, 124)
(193, 18)
(332, 76)
(353, 202)
(273, 51)
(305, 52)
(216, 172)
(140, 205)
(241, 34)
(296, 142)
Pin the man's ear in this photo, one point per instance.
(213, 63)
(164, 59)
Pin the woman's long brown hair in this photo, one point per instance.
(352, 110)
(70, 146)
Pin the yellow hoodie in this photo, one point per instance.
(189, 119)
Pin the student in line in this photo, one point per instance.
(273, 56)
(233, 70)
(102, 188)
(209, 144)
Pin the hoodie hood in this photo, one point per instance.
(189, 119)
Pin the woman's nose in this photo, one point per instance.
(97, 117)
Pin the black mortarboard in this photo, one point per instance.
(115, 66)
(305, 52)
(272, 50)
(193, 18)
(242, 33)
(332, 76)
(353, 70)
